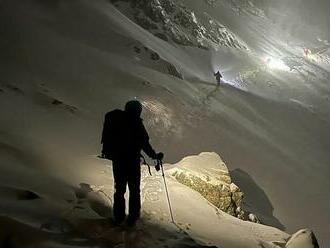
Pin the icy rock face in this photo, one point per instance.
(207, 174)
(302, 239)
(174, 22)
(253, 7)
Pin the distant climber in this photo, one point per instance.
(218, 77)
(123, 138)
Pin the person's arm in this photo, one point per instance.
(146, 147)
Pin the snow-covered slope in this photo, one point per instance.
(66, 63)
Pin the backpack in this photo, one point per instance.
(112, 132)
(124, 136)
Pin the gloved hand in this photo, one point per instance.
(159, 156)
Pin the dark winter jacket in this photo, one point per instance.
(124, 136)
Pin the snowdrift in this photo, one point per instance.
(64, 64)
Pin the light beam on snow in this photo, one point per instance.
(310, 56)
(276, 64)
(160, 117)
(235, 83)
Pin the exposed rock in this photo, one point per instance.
(145, 53)
(207, 174)
(67, 107)
(174, 22)
(57, 102)
(154, 56)
(161, 36)
(302, 239)
(173, 71)
(137, 49)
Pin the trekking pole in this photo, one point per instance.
(159, 162)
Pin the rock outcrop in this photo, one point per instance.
(174, 22)
(207, 174)
(147, 57)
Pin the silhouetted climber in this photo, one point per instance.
(123, 138)
(218, 77)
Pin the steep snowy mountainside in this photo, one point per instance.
(173, 21)
(64, 64)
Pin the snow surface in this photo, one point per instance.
(64, 64)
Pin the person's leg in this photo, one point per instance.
(120, 180)
(134, 179)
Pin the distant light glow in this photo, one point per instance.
(276, 64)
(311, 56)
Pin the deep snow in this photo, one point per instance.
(64, 64)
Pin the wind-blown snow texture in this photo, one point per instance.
(64, 64)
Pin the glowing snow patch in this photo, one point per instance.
(311, 56)
(235, 83)
(161, 118)
(276, 64)
(160, 115)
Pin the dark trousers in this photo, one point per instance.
(126, 173)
